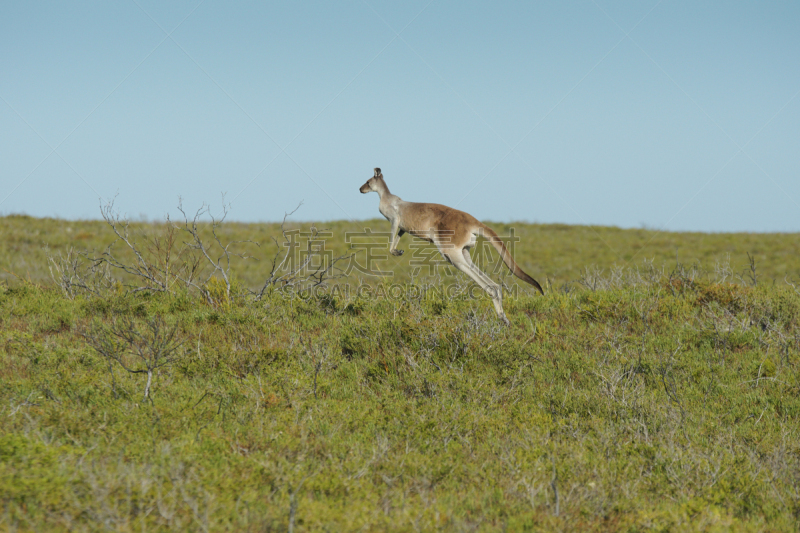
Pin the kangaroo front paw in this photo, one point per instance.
(398, 252)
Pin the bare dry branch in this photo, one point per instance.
(288, 274)
(136, 348)
(75, 272)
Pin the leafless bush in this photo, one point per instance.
(647, 274)
(315, 269)
(160, 260)
(678, 277)
(75, 272)
(594, 279)
(163, 261)
(217, 255)
(136, 348)
(749, 275)
(591, 277)
(683, 275)
(723, 269)
(792, 284)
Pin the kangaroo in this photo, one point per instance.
(453, 232)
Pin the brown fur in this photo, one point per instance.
(454, 232)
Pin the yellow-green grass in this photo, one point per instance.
(667, 399)
(553, 253)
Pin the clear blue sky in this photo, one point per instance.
(677, 115)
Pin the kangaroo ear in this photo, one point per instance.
(378, 173)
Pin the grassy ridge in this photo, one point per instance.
(554, 252)
(664, 399)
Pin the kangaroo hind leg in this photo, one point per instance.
(463, 262)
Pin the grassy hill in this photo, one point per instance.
(635, 395)
(549, 252)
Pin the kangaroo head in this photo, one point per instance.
(373, 183)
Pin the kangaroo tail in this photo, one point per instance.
(489, 234)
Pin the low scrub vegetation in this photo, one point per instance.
(625, 399)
